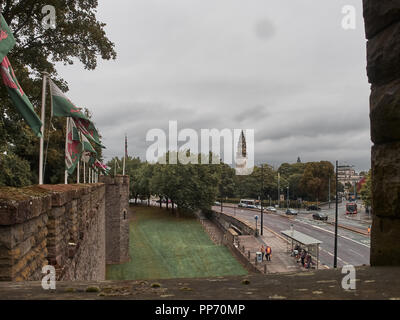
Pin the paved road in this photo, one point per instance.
(353, 248)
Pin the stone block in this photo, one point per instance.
(385, 241)
(383, 55)
(386, 180)
(379, 14)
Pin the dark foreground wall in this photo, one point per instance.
(382, 23)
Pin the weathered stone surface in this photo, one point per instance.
(62, 225)
(379, 14)
(117, 224)
(385, 112)
(385, 241)
(383, 56)
(386, 180)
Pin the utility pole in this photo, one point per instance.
(336, 218)
(287, 200)
(329, 191)
(261, 201)
(279, 191)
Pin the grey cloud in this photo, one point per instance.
(211, 64)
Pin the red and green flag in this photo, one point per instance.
(7, 40)
(61, 106)
(18, 97)
(73, 147)
(88, 130)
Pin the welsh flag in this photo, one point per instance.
(7, 40)
(61, 106)
(88, 130)
(19, 97)
(102, 167)
(86, 145)
(73, 147)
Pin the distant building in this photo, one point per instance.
(298, 160)
(241, 156)
(347, 175)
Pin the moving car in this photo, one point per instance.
(291, 212)
(320, 216)
(273, 209)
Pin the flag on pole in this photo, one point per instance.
(126, 146)
(73, 147)
(86, 145)
(7, 40)
(89, 130)
(61, 106)
(19, 98)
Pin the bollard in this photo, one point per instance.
(265, 268)
(248, 254)
(256, 259)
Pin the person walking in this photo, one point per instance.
(262, 252)
(268, 252)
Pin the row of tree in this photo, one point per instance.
(199, 186)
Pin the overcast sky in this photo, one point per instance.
(286, 69)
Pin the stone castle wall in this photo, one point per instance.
(60, 225)
(117, 220)
(382, 24)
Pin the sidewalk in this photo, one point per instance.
(281, 261)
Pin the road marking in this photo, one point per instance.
(322, 229)
(332, 255)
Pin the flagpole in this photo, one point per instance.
(66, 149)
(123, 170)
(42, 128)
(77, 172)
(84, 172)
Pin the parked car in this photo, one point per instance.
(216, 203)
(320, 216)
(313, 208)
(131, 200)
(291, 212)
(273, 209)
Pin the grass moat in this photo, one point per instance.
(163, 247)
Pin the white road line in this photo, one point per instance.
(322, 229)
(331, 254)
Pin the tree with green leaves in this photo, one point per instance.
(366, 190)
(78, 36)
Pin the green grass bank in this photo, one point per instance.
(163, 246)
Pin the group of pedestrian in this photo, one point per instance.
(267, 251)
(306, 260)
(304, 256)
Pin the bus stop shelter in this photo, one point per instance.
(304, 241)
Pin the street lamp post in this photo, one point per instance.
(336, 218)
(279, 190)
(287, 200)
(256, 218)
(261, 200)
